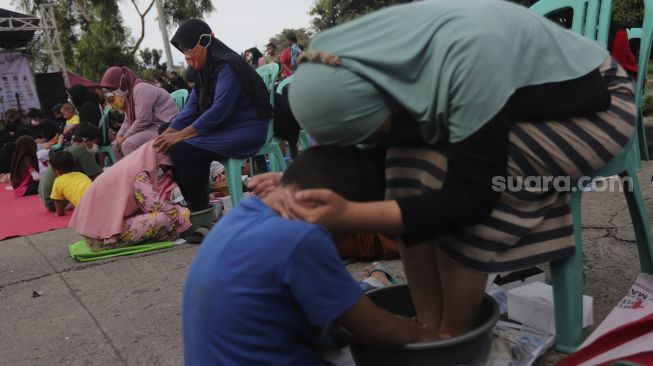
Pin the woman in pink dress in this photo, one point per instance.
(147, 108)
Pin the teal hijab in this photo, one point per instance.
(451, 64)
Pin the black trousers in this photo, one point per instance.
(191, 171)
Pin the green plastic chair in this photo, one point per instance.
(642, 64)
(592, 18)
(106, 144)
(271, 147)
(180, 97)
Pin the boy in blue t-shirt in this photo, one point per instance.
(261, 287)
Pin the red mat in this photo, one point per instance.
(22, 216)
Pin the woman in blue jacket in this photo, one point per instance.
(226, 115)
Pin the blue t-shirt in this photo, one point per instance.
(259, 288)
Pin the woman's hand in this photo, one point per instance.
(264, 184)
(164, 142)
(119, 140)
(321, 206)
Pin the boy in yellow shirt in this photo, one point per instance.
(69, 185)
(72, 119)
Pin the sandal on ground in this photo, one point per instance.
(197, 236)
(383, 269)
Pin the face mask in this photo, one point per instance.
(35, 122)
(119, 102)
(93, 150)
(196, 58)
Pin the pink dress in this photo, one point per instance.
(158, 220)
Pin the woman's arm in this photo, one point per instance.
(465, 199)
(187, 115)
(228, 89)
(167, 139)
(467, 195)
(126, 122)
(144, 104)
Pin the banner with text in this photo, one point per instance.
(16, 83)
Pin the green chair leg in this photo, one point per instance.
(639, 216)
(277, 160)
(274, 163)
(640, 151)
(234, 169)
(567, 278)
(641, 136)
(109, 151)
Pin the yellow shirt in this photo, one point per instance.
(70, 187)
(74, 120)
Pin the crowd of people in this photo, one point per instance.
(438, 123)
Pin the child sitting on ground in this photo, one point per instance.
(261, 286)
(25, 174)
(83, 149)
(72, 119)
(69, 185)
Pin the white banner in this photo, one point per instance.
(16, 80)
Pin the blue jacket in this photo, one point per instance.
(231, 127)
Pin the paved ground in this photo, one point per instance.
(54, 311)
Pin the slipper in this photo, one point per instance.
(197, 236)
(383, 269)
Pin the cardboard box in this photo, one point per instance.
(532, 305)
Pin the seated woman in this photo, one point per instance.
(226, 115)
(122, 207)
(83, 149)
(147, 107)
(24, 173)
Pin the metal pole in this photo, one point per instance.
(164, 34)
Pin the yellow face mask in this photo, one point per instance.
(119, 102)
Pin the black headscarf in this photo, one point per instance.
(256, 55)
(24, 157)
(219, 55)
(87, 103)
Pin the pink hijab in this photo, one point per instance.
(125, 79)
(110, 198)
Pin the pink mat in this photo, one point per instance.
(22, 216)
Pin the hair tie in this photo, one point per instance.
(320, 57)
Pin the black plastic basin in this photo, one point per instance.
(471, 348)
